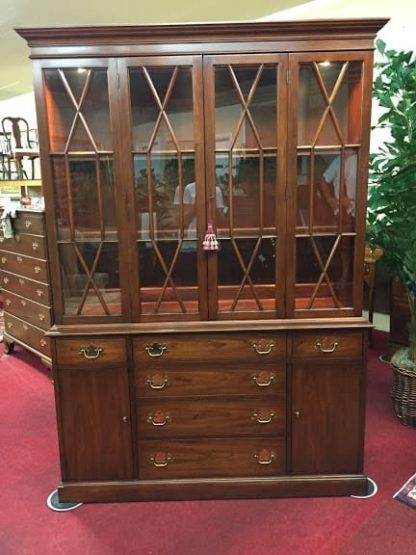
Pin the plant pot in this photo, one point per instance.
(403, 394)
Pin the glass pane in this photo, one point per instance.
(250, 88)
(325, 201)
(166, 196)
(84, 198)
(329, 103)
(168, 277)
(246, 198)
(324, 269)
(90, 278)
(246, 275)
(166, 90)
(81, 90)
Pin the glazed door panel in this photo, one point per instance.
(245, 114)
(327, 418)
(164, 162)
(95, 424)
(327, 181)
(79, 141)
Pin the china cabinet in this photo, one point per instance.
(182, 372)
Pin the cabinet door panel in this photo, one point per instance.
(165, 166)
(95, 424)
(245, 104)
(327, 181)
(327, 418)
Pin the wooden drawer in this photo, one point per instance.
(180, 418)
(226, 347)
(90, 352)
(24, 266)
(30, 335)
(327, 343)
(211, 458)
(34, 313)
(31, 245)
(172, 382)
(34, 290)
(29, 222)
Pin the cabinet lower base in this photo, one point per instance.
(248, 488)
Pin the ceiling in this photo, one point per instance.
(15, 74)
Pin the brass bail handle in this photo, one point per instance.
(263, 347)
(91, 351)
(325, 347)
(156, 349)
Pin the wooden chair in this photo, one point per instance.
(18, 146)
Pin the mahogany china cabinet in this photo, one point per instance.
(181, 372)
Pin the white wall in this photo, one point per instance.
(23, 106)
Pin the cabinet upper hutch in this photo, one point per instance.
(182, 372)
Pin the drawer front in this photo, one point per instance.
(167, 382)
(34, 290)
(32, 312)
(31, 245)
(325, 343)
(29, 222)
(226, 347)
(90, 352)
(211, 458)
(24, 266)
(24, 332)
(179, 418)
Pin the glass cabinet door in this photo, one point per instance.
(327, 180)
(245, 167)
(81, 163)
(166, 134)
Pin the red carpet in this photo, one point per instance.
(325, 526)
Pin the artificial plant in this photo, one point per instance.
(392, 191)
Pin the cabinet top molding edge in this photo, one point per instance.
(201, 32)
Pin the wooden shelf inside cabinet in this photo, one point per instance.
(206, 256)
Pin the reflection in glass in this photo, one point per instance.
(78, 109)
(154, 88)
(246, 275)
(168, 277)
(324, 270)
(90, 278)
(329, 103)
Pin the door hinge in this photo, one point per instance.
(287, 76)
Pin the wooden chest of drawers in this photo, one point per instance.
(25, 285)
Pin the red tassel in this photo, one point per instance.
(210, 240)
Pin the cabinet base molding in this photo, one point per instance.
(170, 490)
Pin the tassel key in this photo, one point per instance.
(210, 242)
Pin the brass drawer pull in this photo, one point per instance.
(161, 459)
(263, 416)
(37, 269)
(3, 260)
(19, 259)
(156, 349)
(25, 327)
(91, 352)
(263, 379)
(6, 280)
(325, 347)
(264, 456)
(17, 237)
(35, 245)
(28, 223)
(43, 342)
(23, 302)
(157, 381)
(39, 293)
(264, 347)
(8, 302)
(41, 317)
(159, 418)
(21, 281)
(9, 325)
